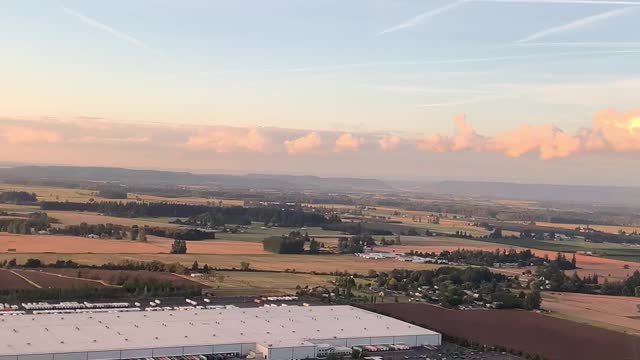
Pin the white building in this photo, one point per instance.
(275, 333)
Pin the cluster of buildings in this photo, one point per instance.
(270, 333)
(401, 257)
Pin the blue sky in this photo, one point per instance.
(400, 68)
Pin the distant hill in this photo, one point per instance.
(163, 178)
(614, 195)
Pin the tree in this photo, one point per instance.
(142, 235)
(195, 266)
(244, 266)
(179, 247)
(532, 300)
(314, 247)
(205, 269)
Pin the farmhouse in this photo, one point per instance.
(278, 333)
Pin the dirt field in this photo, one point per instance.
(111, 276)
(613, 312)
(236, 283)
(9, 280)
(550, 337)
(45, 280)
(155, 245)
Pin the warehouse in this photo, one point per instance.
(274, 333)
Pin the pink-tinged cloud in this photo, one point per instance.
(435, 143)
(347, 142)
(228, 140)
(464, 138)
(305, 144)
(389, 142)
(111, 140)
(27, 135)
(614, 131)
(547, 140)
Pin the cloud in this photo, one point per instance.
(347, 142)
(15, 135)
(105, 28)
(304, 144)
(228, 140)
(422, 17)
(389, 142)
(111, 140)
(611, 131)
(614, 131)
(464, 138)
(549, 141)
(577, 24)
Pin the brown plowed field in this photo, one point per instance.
(9, 280)
(534, 333)
(58, 282)
(111, 276)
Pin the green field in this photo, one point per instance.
(256, 233)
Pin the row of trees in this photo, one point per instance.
(198, 215)
(37, 221)
(18, 197)
(286, 244)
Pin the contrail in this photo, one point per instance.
(576, 24)
(422, 17)
(585, 2)
(594, 44)
(105, 28)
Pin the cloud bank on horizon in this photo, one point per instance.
(611, 132)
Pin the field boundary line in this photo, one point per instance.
(27, 280)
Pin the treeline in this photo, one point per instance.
(554, 279)
(355, 244)
(454, 286)
(198, 215)
(286, 244)
(38, 221)
(134, 233)
(18, 197)
(356, 228)
(130, 287)
(490, 258)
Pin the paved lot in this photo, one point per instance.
(445, 352)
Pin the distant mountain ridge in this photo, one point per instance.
(158, 177)
(611, 195)
(619, 195)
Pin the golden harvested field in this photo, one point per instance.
(77, 217)
(54, 194)
(271, 262)
(237, 283)
(604, 228)
(613, 312)
(76, 245)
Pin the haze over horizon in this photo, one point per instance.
(500, 90)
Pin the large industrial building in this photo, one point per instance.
(274, 333)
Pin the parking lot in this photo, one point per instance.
(444, 352)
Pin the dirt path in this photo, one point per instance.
(27, 280)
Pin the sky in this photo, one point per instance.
(544, 91)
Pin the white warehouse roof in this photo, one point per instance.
(270, 326)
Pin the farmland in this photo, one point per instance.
(10, 280)
(46, 280)
(112, 276)
(521, 330)
(237, 283)
(613, 312)
(62, 244)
